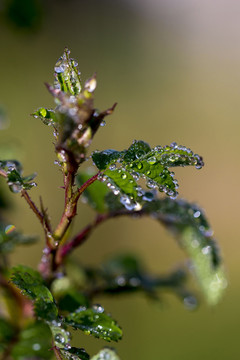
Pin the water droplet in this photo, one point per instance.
(98, 308)
(124, 176)
(59, 338)
(197, 214)
(139, 166)
(148, 196)
(195, 243)
(103, 123)
(16, 187)
(190, 302)
(148, 172)
(174, 145)
(206, 250)
(151, 184)
(59, 68)
(36, 347)
(113, 167)
(121, 280)
(152, 160)
(91, 84)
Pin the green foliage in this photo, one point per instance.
(12, 170)
(34, 342)
(10, 237)
(96, 322)
(61, 296)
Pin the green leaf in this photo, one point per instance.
(7, 332)
(61, 336)
(75, 354)
(103, 159)
(124, 264)
(48, 117)
(95, 321)
(34, 342)
(187, 222)
(140, 161)
(211, 278)
(67, 75)
(15, 180)
(10, 237)
(95, 193)
(31, 283)
(106, 353)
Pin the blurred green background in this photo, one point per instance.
(173, 68)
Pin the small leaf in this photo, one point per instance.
(48, 117)
(10, 237)
(15, 180)
(106, 353)
(75, 354)
(67, 75)
(94, 321)
(61, 336)
(34, 343)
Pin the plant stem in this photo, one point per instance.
(57, 353)
(34, 208)
(84, 234)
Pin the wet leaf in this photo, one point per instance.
(140, 161)
(67, 75)
(15, 180)
(95, 321)
(31, 283)
(189, 224)
(61, 336)
(103, 159)
(106, 353)
(48, 117)
(34, 342)
(211, 278)
(75, 354)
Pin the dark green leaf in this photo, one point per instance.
(31, 283)
(34, 343)
(75, 354)
(72, 300)
(106, 353)
(7, 332)
(95, 193)
(95, 321)
(103, 159)
(10, 237)
(139, 161)
(67, 75)
(122, 265)
(48, 117)
(45, 309)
